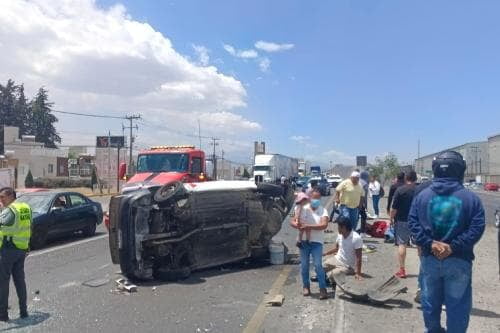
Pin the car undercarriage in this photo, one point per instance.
(167, 232)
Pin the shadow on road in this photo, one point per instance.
(67, 239)
(35, 318)
(484, 313)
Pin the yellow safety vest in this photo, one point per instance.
(20, 231)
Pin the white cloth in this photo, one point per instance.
(347, 248)
(312, 217)
(374, 188)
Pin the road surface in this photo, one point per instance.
(71, 288)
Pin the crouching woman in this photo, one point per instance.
(313, 219)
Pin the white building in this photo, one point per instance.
(26, 154)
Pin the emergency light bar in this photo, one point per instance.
(172, 147)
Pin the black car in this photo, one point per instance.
(59, 213)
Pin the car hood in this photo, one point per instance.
(148, 179)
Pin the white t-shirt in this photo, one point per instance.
(374, 188)
(313, 217)
(347, 254)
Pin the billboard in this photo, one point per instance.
(110, 141)
(361, 161)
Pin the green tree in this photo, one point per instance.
(28, 181)
(93, 179)
(42, 120)
(246, 174)
(385, 168)
(22, 111)
(7, 102)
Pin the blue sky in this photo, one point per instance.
(363, 77)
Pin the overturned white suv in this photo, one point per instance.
(167, 232)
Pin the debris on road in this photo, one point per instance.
(124, 285)
(94, 283)
(369, 248)
(276, 300)
(381, 294)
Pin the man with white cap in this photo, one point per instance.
(348, 195)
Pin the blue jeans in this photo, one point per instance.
(375, 200)
(316, 250)
(446, 282)
(351, 213)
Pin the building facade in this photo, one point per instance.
(476, 154)
(494, 159)
(25, 154)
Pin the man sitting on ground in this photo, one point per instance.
(348, 252)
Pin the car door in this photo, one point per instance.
(60, 215)
(81, 210)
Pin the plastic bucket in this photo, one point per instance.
(277, 253)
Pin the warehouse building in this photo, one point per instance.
(494, 159)
(476, 154)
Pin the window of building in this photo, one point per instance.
(50, 168)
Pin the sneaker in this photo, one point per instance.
(365, 235)
(417, 296)
(401, 273)
(306, 292)
(323, 294)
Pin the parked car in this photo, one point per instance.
(170, 231)
(491, 187)
(323, 185)
(59, 213)
(334, 180)
(302, 181)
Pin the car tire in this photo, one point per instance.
(169, 191)
(89, 231)
(169, 274)
(270, 190)
(38, 238)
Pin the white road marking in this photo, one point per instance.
(65, 246)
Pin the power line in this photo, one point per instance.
(89, 115)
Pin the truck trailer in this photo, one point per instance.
(269, 168)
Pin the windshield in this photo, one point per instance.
(162, 163)
(304, 179)
(262, 168)
(38, 203)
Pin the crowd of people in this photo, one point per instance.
(441, 217)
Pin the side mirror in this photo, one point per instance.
(122, 169)
(56, 209)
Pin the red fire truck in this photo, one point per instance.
(164, 164)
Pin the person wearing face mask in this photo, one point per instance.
(313, 218)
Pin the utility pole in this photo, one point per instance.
(109, 162)
(199, 132)
(131, 140)
(214, 159)
(222, 160)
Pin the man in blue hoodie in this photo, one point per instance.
(446, 221)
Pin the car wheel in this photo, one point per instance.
(38, 238)
(89, 231)
(169, 191)
(169, 274)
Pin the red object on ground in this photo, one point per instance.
(378, 228)
(491, 187)
(401, 273)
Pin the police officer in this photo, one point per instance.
(15, 232)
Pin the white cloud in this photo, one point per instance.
(273, 47)
(300, 138)
(245, 54)
(98, 60)
(202, 53)
(338, 156)
(264, 64)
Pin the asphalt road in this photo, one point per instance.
(71, 288)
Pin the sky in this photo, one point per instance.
(324, 80)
